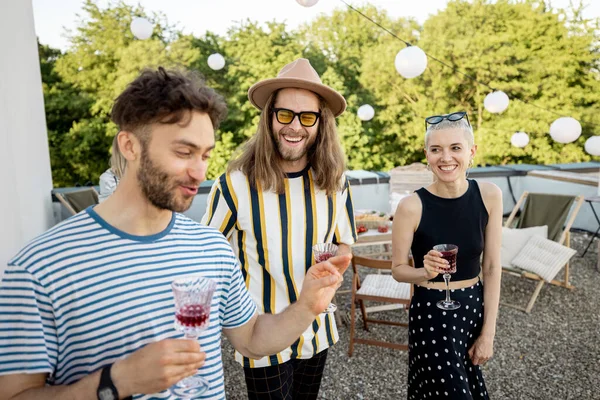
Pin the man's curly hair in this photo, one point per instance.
(166, 97)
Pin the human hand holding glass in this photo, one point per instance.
(449, 253)
(193, 296)
(323, 252)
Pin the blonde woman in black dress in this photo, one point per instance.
(448, 347)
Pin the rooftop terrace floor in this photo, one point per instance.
(552, 353)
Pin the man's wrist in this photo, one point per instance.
(119, 378)
(302, 308)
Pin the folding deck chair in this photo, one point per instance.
(558, 212)
(78, 200)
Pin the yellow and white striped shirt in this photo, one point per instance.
(272, 235)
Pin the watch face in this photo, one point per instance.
(106, 394)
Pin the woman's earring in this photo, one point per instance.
(428, 167)
(469, 167)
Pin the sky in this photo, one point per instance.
(53, 17)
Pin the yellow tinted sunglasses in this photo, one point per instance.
(306, 118)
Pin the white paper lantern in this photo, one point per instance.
(216, 61)
(141, 28)
(307, 3)
(365, 112)
(592, 146)
(411, 62)
(565, 130)
(496, 102)
(519, 139)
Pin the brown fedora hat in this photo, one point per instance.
(297, 74)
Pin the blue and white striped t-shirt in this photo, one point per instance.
(85, 294)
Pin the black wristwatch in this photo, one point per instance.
(107, 389)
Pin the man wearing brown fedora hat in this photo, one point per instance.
(285, 193)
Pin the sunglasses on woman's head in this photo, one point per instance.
(436, 119)
(306, 118)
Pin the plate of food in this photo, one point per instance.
(371, 219)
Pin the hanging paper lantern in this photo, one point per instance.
(216, 61)
(565, 130)
(496, 102)
(411, 62)
(307, 3)
(141, 28)
(365, 112)
(592, 146)
(519, 139)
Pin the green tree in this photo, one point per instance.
(64, 107)
(103, 58)
(546, 58)
(532, 53)
(346, 48)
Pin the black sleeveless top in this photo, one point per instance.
(460, 221)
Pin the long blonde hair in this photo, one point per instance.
(117, 161)
(261, 162)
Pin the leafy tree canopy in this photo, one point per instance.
(542, 58)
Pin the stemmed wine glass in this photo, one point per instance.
(449, 252)
(323, 252)
(193, 296)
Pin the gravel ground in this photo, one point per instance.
(552, 353)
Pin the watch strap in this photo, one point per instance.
(106, 382)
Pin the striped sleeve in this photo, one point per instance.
(240, 306)
(28, 336)
(345, 229)
(221, 207)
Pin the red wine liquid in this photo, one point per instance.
(193, 315)
(323, 257)
(450, 256)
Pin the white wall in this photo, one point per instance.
(198, 208)
(367, 197)
(25, 203)
(376, 197)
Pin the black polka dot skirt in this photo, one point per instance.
(439, 341)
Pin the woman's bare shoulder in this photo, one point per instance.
(409, 205)
(490, 190)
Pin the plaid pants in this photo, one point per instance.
(292, 380)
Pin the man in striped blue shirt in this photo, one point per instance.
(284, 194)
(86, 309)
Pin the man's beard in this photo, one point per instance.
(293, 154)
(159, 187)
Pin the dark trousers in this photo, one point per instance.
(292, 380)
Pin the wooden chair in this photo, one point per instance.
(379, 287)
(537, 210)
(78, 200)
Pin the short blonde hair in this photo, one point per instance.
(445, 124)
(117, 161)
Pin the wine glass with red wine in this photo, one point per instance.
(193, 296)
(449, 253)
(323, 252)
